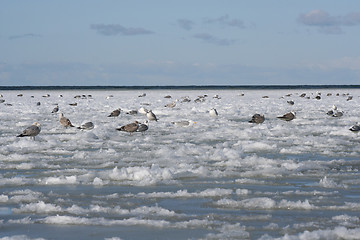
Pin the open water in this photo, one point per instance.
(219, 178)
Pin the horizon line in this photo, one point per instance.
(274, 86)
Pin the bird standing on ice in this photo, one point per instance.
(31, 131)
(143, 127)
(65, 122)
(130, 128)
(143, 110)
(213, 112)
(151, 116)
(55, 110)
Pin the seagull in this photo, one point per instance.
(338, 114)
(64, 121)
(200, 99)
(151, 116)
(183, 123)
(291, 102)
(171, 105)
(335, 112)
(216, 96)
(355, 128)
(257, 118)
(143, 127)
(185, 99)
(86, 126)
(115, 113)
(288, 116)
(213, 112)
(331, 112)
(131, 127)
(132, 112)
(31, 131)
(143, 110)
(55, 110)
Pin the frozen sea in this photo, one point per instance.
(219, 178)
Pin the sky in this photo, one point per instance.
(187, 42)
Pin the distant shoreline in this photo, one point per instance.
(188, 87)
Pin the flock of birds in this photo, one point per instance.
(136, 126)
(334, 112)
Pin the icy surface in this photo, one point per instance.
(220, 177)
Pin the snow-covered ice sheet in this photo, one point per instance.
(220, 177)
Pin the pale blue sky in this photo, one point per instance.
(162, 42)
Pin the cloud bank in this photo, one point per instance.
(173, 73)
(214, 40)
(117, 29)
(226, 21)
(329, 24)
(185, 24)
(26, 35)
(223, 21)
